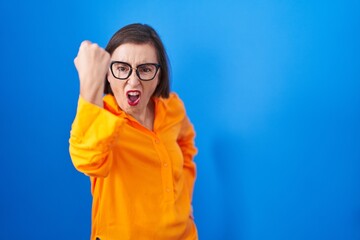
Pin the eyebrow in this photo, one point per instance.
(135, 65)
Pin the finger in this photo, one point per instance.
(94, 45)
(85, 43)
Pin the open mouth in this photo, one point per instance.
(133, 97)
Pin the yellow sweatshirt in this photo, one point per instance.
(141, 180)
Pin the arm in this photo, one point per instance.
(187, 145)
(94, 128)
(93, 132)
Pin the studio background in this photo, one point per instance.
(272, 88)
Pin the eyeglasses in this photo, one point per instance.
(123, 70)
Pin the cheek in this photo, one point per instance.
(116, 85)
(150, 89)
(154, 85)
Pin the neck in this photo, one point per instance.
(146, 117)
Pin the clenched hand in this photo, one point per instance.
(92, 64)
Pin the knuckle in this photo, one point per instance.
(95, 45)
(85, 43)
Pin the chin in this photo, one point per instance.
(132, 109)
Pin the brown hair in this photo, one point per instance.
(143, 34)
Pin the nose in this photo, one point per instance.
(133, 79)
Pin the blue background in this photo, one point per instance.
(272, 88)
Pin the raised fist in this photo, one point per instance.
(92, 64)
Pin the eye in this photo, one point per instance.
(120, 67)
(123, 68)
(120, 70)
(146, 68)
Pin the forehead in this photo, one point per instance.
(135, 53)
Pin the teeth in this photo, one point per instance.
(134, 93)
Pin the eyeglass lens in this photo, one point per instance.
(144, 71)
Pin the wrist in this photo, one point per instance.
(94, 97)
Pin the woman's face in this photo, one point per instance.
(133, 95)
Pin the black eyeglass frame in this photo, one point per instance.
(136, 70)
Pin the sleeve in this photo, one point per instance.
(92, 133)
(186, 141)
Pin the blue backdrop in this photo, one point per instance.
(272, 88)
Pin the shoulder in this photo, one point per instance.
(174, 102)
(172, 107)
(111, 105)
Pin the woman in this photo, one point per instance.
(135, 143)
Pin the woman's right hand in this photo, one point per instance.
(92, 64)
